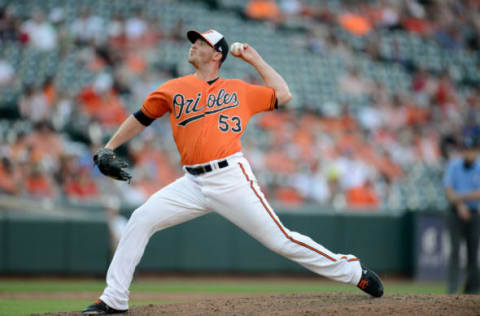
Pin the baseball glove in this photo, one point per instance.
(110, 165)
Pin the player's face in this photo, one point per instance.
(200, 53)
(470, 154)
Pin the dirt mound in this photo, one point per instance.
(318, 304)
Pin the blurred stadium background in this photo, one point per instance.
(382, 91)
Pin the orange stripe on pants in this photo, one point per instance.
(277, 223)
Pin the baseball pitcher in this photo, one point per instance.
(208, 116)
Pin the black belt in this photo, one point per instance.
(205, 168)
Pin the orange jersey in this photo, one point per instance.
(208, 120)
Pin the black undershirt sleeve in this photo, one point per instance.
(276, 104)
(142, 118)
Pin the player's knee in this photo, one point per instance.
(140, 220)
(136, 216)
(279, 247)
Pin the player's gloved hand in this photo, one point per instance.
(110, 165)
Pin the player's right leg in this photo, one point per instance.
(176, 203)
(472, 235)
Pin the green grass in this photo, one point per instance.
(50, 285)
(212, 286)
(19, 307)
(32, 306)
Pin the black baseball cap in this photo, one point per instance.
(213, 38)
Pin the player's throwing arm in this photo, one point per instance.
(269, 75)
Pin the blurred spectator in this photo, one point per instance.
(445, 90)
(336, 196)
(8, 29)
(49, 92)
(57, 17)
(427, 146)
(154, 162)
(136, 27)
(101, 103)
(315, 42)
(401, 150)
(387, 15)
(33, 105)
(288, 196)
(116, 222)
(354, 84)
(7, 74)
(135, 63)
(462, 189)
(291, 9)
(143, 187)
(312, 184)
(178, 31)
(39, 183)
(45, 145)
(67, 168)
(448, 37)
(415, 18)
(445, 96)
(10, 181)
(80, 187)
(373, 49)
(395, 114)
(62, 111)
(422, 86)
(448, 146)
(88, 29)
(370, 116)
(355, 23)
(116, 31)
(41, 34)
(263, 10)
(147, 82)
(363, 197)
(336, 47)
(65, 39)
(352, 171)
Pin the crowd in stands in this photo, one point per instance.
(339, 156)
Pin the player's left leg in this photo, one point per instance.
(235, 194)
(174, 204)
(472, 285)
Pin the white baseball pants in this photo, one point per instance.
(233, 193)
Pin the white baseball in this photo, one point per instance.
(236, 49)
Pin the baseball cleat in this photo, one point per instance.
(370, 283)
(100, 308)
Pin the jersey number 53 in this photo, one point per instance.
(226, 123)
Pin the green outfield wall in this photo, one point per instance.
(80, 245)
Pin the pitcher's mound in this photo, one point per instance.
(319, 304)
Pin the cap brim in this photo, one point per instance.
(193, 35)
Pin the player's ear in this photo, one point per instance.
(217, 56)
